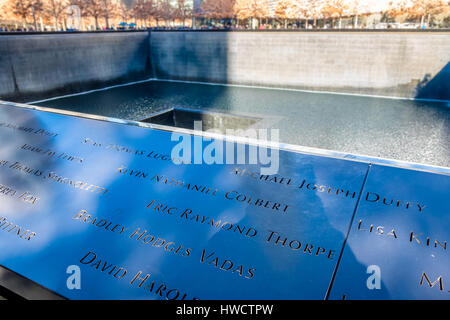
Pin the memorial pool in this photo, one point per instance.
(400, 129)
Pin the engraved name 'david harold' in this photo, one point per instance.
(138, 280)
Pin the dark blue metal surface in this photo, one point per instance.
(402, 225)
(200, 258)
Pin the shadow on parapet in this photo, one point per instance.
(437, 87)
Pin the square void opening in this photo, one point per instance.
(184, 118)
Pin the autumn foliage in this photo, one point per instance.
(101, 14)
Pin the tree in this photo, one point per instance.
(22, 9)
(124, 12)
(107, 10)
(36, 9)
(255, 9)
(55, 9)
(137, 11)
(285, 10)
(219, 9)
(183, 10)
(397, 8)
(355, 8)
(301, 10)
(149, 10)
(93, 9)
(442, 19)
(144, 10)
(166, 11)
(241, 11)
(426, 8)
(157, 13)
(335, 9)
(314, 9)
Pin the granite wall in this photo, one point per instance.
(36, 66)
(400, 64)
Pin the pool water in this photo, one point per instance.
(408, 130)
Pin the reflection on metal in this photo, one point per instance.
(319, 216)
(402, 225)
(238, 246)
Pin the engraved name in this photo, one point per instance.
(81, 185)
(290, 182)
(139, 280)
(375, 197)
(36, 131)
(411, 237)
(258, 202)
(210, 258)
(189, 215)
(439, 282)
(53, 176)
(157, 178)
(145, 237)
(26, 196)
(84, 217)
(140, 235)
(306, 185)
(52, 154)
(152, 154)
(276, 239)
(10, 227)
(25, 169)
